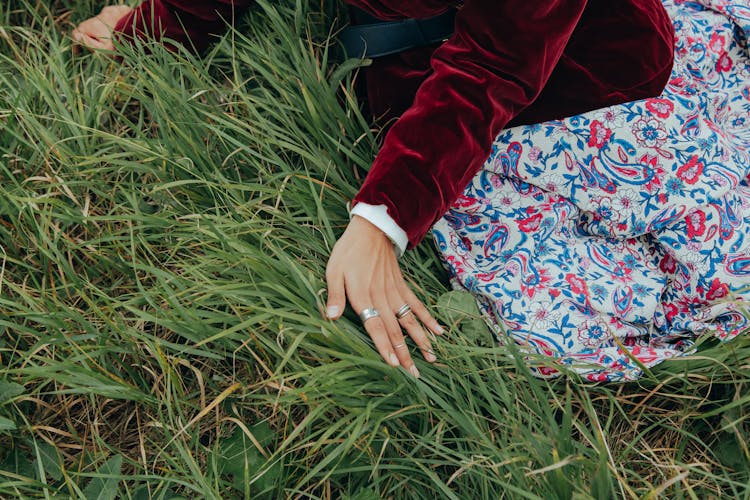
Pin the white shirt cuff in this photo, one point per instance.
(377, 215)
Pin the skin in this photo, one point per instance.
(96, 33)
(362, 269)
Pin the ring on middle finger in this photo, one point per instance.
(403, 311)
(368, 313)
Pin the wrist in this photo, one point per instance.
(377, 216)
(364, 227)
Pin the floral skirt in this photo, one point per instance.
(613, 240)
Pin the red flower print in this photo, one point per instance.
(531, 224)
(670, 311)
(599, 134)
(718, 290)
(677, 81)
(716, 44)
(535, 281)
(622, 272)
(651, 171)
(660, 107)
(691, 171)
(456, 265)
(546, 371)
(464, 201)
(724, 63)
(577, 284)
(696, 223)
(690, 305)
(668, 264)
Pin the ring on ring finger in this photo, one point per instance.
(403, 311)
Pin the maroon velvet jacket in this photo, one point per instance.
(508, 62)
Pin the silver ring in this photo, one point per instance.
(368, 313)
(399, 345)
(403, 311)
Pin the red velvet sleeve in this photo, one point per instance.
(191, 23)
(494, 65)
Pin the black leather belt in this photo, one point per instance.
(382, 38)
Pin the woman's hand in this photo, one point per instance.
(363, 268)
(96, 33)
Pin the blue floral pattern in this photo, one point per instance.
(612, 240)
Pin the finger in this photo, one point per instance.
(93, 27)
(396, 337)
(96, 27)
(417, 333)
(375, 327)
(336, 293)
(90, 42)
(77, 44)
(112, 11)
(115, 11)
(420, 310)
(94, 43)
(402, 352)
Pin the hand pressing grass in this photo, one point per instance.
(164, 227)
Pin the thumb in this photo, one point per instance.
(336, 293)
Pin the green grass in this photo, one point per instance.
(164, 227)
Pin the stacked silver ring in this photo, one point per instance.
(403, 311)
(368, 313)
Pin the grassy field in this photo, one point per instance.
(164, 226)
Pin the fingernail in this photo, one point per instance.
(394, 360)
(439, 330)
(414, 371)
(332, 311)
(429, 356)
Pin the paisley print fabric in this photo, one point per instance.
(615, 239)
